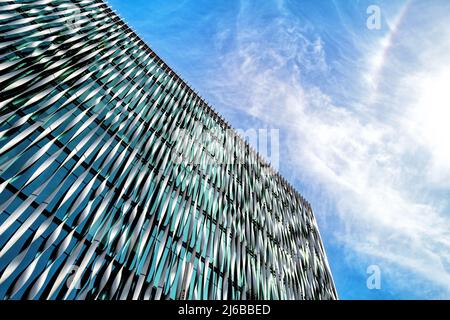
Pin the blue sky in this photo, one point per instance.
(363, 118)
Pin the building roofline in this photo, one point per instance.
(206, 105)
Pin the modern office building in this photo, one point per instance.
(118, 181)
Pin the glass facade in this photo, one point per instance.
(118, 181)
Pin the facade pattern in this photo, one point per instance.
(118, 181)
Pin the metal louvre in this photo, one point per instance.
(103, 197)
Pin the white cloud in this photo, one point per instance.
(380, 158)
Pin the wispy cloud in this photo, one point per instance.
(379, 150)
